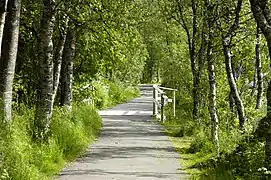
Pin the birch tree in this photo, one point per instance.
(192, 27)
(44, 103)
(262, 15)
(259, 69)
(226, 38)
(67, 67)
(9, 56)
(211, 73)
(3, 9)
(58, 57)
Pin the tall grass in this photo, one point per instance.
(241, 156)
(23, 159)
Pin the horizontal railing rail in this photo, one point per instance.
(160, 100)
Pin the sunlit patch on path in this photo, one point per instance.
(123, 113)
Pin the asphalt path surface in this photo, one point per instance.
(131, 146)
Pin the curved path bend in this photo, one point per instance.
(131, 147)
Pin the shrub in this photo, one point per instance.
(104, 93)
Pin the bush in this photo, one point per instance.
(119, 93)
(104, 93)
(23, 159)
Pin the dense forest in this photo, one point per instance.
(63, 60)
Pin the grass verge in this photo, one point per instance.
(191, 163)
(23, 159)
(240, 157)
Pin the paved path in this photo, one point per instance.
(131, 147)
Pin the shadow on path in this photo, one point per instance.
(131, 146)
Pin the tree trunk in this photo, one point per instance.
(232, 103)
(192, 44)
(196, 96)
(197, 79)
(58, 58)
(212, 75)
(232, 83)
(67, 68)
(44, 104)
(9, 56)
(212, 93)
(259, 70)
(262, 15)
(255, 80)
(3, 10)
(196, 73)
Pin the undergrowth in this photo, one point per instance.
(241, 155)
(104, 93)
(23, 159)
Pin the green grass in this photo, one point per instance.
(182, 144)
(240, 156)
(196, 156)
(72, 132)
(196, 164)
(187, 160)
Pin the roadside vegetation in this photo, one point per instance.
(71, 133)
(63, 60)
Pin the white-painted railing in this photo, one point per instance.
(160, 100)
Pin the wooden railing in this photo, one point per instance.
(160, 100)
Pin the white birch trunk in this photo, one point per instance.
(212, 77)
(232, 83)
(9, 56)
(3, 11)
(262, 15)
(58, 59)
(259, 70)
(67, 68)
(44, 104)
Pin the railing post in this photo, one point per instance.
(92, 99)
(155, 97)
(174, 104)
(162, 107)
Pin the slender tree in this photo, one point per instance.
(259, 69)
(3, 10)
(9, 56)
(192, 33)
(44, 104)
(67, 67)
(262, 15)
(226, 38)
(211, 74)
(58, 57)
(196, 74)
